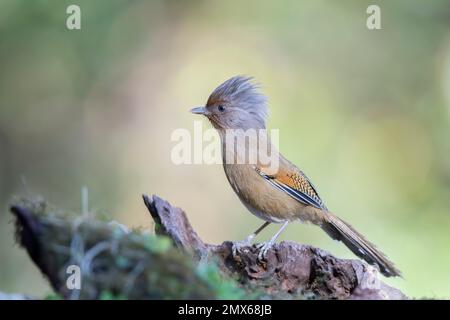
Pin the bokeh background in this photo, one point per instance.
(366, 114)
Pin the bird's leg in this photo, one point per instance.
(247, 241)
(264, 247)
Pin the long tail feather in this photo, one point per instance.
(342, 231)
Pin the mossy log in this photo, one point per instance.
(114, 263)
(117, 263)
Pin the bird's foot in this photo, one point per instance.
(263, 249)
(237, 246)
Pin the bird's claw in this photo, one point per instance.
(237, 246)
(263, 249)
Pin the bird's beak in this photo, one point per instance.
(199, 110)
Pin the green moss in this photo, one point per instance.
(52, 296)
(156, 244)
(121, 265)
(224, 288)
(108, 295)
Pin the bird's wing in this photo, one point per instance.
(295, 183)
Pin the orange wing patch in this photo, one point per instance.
(296, 184)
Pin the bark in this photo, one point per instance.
(117, 263)
(291, 270)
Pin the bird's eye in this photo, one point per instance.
(221, 108)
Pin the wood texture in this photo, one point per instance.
(292, 270)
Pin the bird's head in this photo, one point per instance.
(236, 104)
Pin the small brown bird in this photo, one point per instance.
(282, 195)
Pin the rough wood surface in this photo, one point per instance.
(290, 270)
(118, 263)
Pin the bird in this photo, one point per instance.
(278, 194)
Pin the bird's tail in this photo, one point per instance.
(342, 231)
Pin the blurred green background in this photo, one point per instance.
(366, 114)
